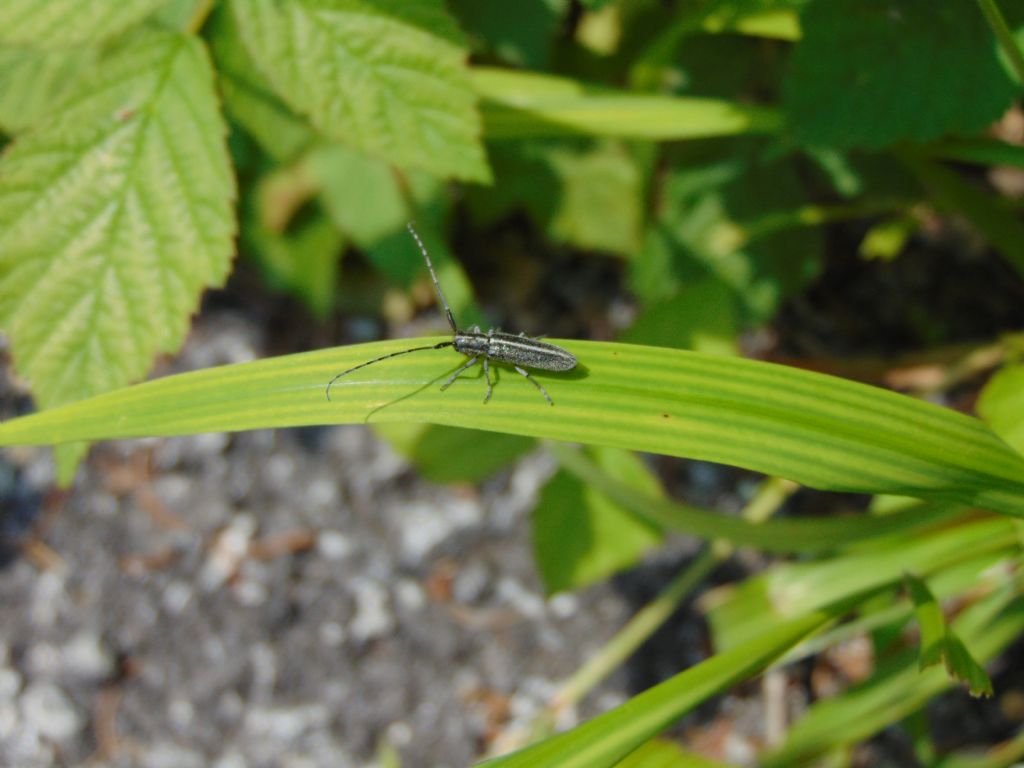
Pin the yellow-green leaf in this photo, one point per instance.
(819, 430)
(114, 215)
(66, 23)
(386, 78)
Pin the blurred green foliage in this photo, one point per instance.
(704, 150)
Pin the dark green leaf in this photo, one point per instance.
(580, 536)
(870, 73)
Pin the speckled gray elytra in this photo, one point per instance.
(520, 351)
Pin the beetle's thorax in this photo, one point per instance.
(473, 342)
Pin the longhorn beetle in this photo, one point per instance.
(521, 352)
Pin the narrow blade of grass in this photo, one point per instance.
(817, 430)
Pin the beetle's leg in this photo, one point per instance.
(487, 375)
(536, 383)
(455, 375)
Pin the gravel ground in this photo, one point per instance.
(277, 598)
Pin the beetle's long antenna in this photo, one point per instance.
(437, 286)
(442, 345)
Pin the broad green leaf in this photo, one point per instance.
(518, 105)
(815, 429)
(114, 215)
(32, 82)
(1002, 405)
(869, 73)
(580, 536)
(588, 195)
(362, 194)
(302, 260)
(67, 23)
(386, 78)
(249, 98)
(701, 317)
(610, 737)
(182, 15)
(711, 227)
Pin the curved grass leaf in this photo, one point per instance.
(782, 535)
(818, 430)
(66, 23)
(114, 215)
(386, 78)
(519, 105)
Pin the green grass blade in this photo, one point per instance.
(818, 430)
(517, 105)
(609, 737)
(785, 535)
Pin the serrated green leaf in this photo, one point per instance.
(384, 77)
(815, 429)
(1002, 405)
(66, 23)
(869, 73)
(962, 666)
(580, 536)
(114, 215)
(249, 98)
(32, 82)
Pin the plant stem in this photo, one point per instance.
(995, 19)
(769, 497)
